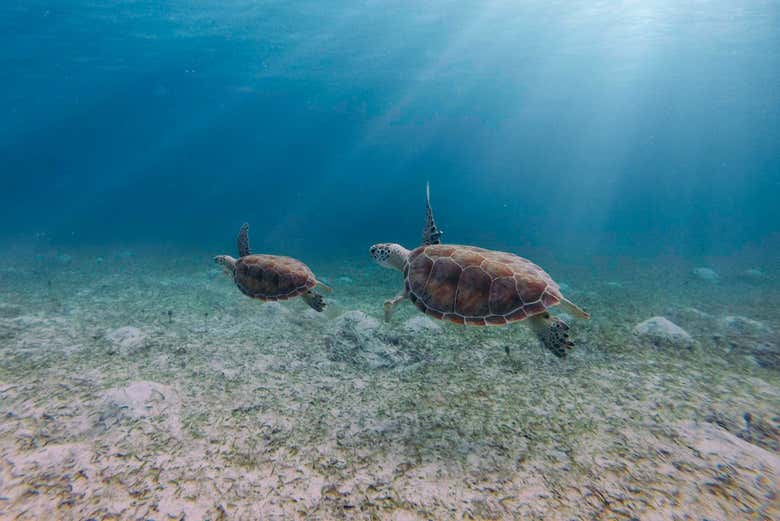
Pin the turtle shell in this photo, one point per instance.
(475, 286)
(271, 277)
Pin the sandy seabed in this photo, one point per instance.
(137, 386)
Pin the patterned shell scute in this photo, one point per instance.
(271, 277)
(470, 285)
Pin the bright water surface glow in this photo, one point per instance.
(586, 127)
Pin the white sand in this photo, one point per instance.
(230, 410)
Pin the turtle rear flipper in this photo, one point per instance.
(552, 332)
(314, 300)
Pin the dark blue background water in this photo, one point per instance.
(593, 127)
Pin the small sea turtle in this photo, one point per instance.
(477, 287)
(271, 277)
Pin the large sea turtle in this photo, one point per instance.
(271, 277)
(477, 287)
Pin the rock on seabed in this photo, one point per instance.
(356, 340)
(420, 325)
(754, 274)
(707, 274)
(357, 321)
(127, 338)
(737, 325)
(661, 329)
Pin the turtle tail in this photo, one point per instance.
(552, 332)
(574, 309)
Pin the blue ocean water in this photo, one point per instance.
(629, 148)
(579, 128)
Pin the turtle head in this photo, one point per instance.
(227, 262)
(389, 255)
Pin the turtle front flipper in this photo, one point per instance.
(431, 234)
(552, 332)
(314, 300)
(243, 240)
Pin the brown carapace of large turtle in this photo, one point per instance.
(477, 287)
(271, 277)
